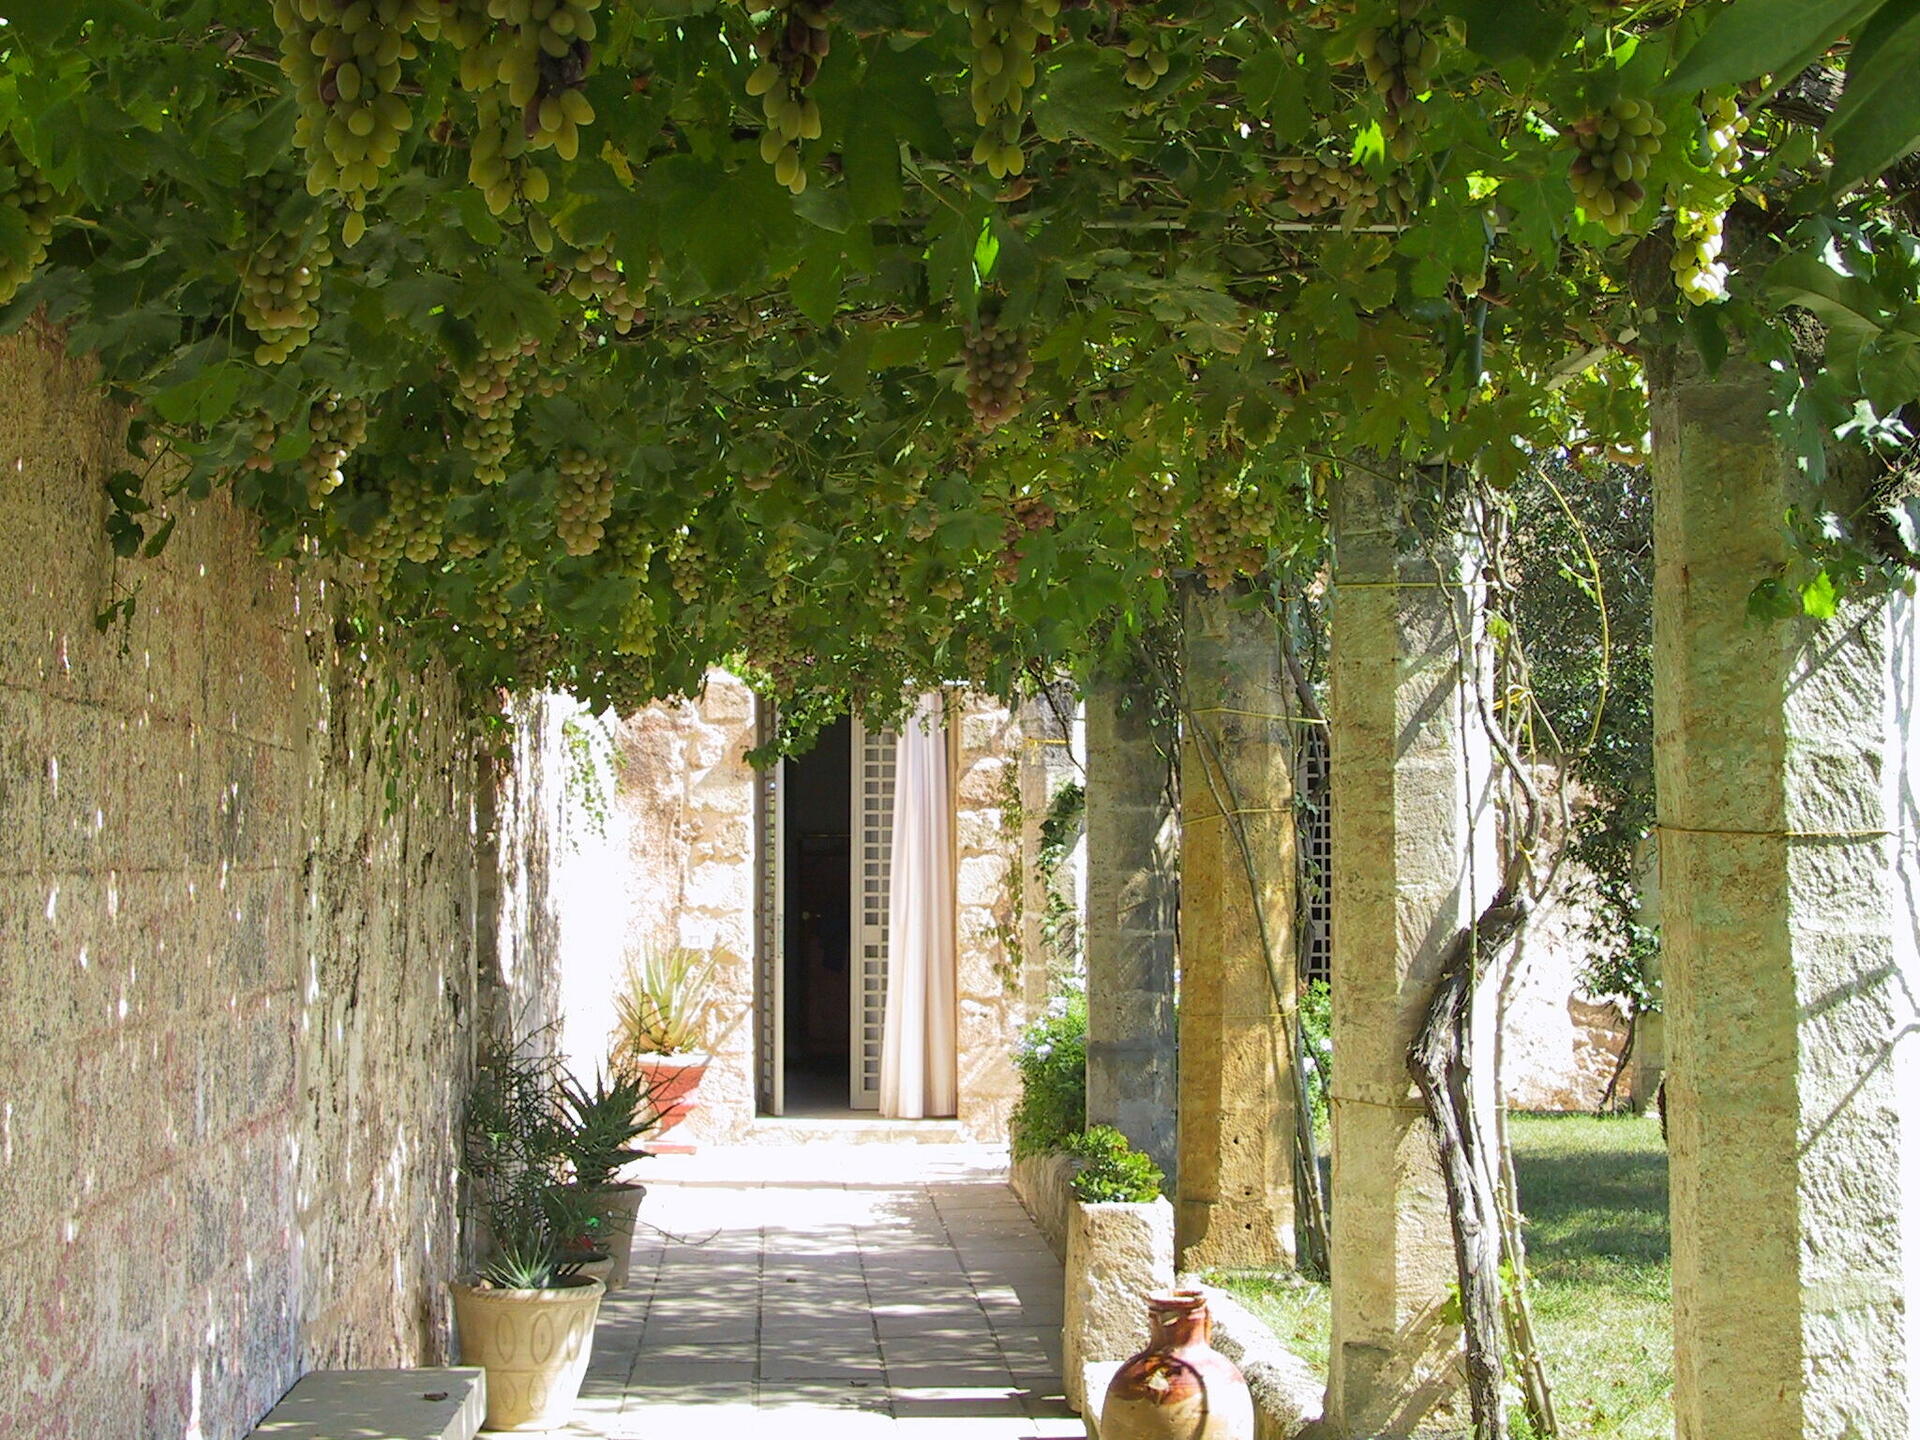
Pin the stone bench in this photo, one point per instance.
(443, 1404)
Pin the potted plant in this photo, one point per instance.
(527, 1317)
(661, 1016)
(596, 1138)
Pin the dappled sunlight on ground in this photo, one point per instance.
(893, 1291)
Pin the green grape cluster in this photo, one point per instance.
(545, 51)
(493, 610)
(790, 48)
(338, 427)
(25, 191)
(279, 288)
(488, 442)
(1156, 512)
(629, 544)
(419, 514)
(344, 58)
(1232, 528)
(637, 626)
(777, 561)
(1315, 187)
(688, 560)
(582, 501)
(596, 278)
(888, 590)
(492, 390)
(997, 370)
(1399, 60)
(1698, 237)
(465, 25)
(1615, 148)
(260, 442)
(468, 544)
(1725, 124)
(1146, 62)
(497, 163)
(1027, 515)
(1006, 36)
(948, 585)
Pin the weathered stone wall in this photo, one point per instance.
(674, 865)
(236, 991)
(984, 748)
(1559, 1046)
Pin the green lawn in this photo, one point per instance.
(1595, 1196)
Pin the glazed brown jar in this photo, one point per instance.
(1179, 1387)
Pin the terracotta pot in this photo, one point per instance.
(1179, 1387)
(671, 1081)
(534, 1346)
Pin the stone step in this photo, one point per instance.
(851, 1130)
(440, 1404)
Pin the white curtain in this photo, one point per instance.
(917, 1075)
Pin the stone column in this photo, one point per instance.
(1413, 860)
(1234, 1202)
(1781, 759)
(1132, 892)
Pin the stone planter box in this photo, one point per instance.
(1043, 1184)
(1117, 1254)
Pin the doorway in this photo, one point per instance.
(817, 933)
(826, 833)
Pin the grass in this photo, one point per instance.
(1594, 1192)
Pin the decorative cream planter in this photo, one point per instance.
(617, 1204)
(534, 1346)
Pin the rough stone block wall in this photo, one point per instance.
(235, 985)
(984, 751)
(674, 865)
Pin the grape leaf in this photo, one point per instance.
(1764, 37)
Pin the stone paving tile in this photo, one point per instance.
(844, 1292)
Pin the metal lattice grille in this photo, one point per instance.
(1315, 841)
(874, 760)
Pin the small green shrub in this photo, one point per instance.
(1316, 1045)
(1052, 1060)
(1113, 1169)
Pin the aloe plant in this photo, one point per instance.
(602, 1123)
(664, 1003)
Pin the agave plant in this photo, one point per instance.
(602, 1123)
(664, 1003)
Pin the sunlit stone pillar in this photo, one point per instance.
(1234, 1202)
(1132, 892)
(1784, 765)
(1413, 861)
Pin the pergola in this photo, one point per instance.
(939, 362)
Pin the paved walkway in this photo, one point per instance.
(860, 1292)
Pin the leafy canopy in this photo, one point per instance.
(869, 343)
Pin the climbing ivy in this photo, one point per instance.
(608, 342)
